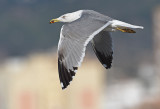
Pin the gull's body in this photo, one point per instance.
(80, 28)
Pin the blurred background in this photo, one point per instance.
(28, 67)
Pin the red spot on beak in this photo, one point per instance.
(51, 22)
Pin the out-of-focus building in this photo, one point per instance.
(33, 83)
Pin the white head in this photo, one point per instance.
(69, 17)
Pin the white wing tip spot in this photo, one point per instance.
(75, 71)
(104, 65)
(142, 27)
(62, 85)
(72, 77)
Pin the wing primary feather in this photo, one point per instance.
(106, 61)
(62, 80)
(102, 46)
(65, 75)
(72, 73)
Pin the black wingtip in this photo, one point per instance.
(65, 76)
(107, 67)
(106, 60)
(63, 88)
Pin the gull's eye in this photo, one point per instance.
(63, 17)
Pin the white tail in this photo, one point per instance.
(120, 24)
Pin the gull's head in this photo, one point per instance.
(69, 17)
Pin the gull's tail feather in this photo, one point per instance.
(123, 25)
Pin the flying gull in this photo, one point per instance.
(80, 28)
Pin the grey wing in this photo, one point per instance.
(102, 46)
(71, 52)
(73, 41)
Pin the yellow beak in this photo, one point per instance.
(53, 21)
